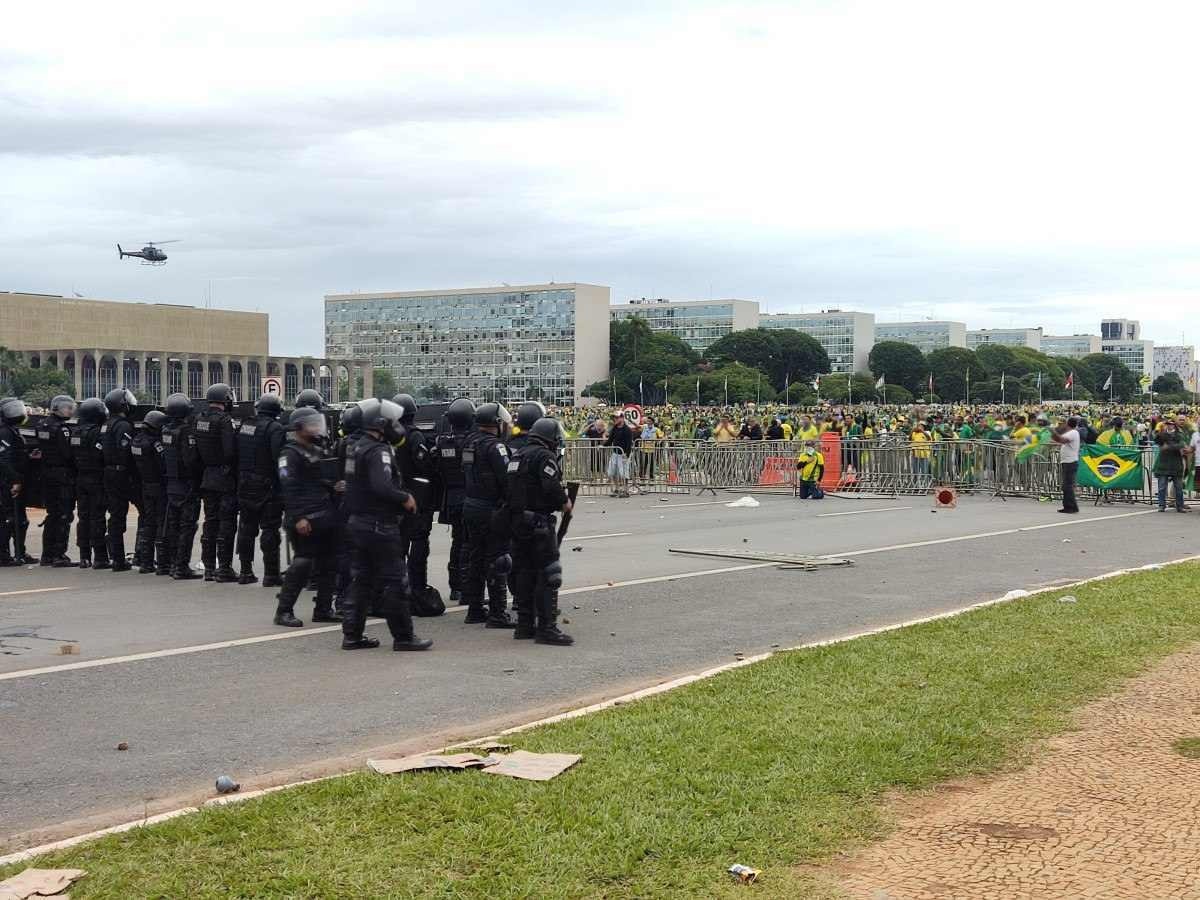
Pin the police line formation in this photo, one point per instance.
(358, 508)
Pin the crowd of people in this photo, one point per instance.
(357, 507)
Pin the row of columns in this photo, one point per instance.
(267, 365)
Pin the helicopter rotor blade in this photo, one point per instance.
(156, 243)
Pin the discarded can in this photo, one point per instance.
(744, 874)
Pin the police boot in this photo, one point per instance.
(101, 560)
(271, 576)
(85, 558)
(185, 572)
(362, 643)
(284, 615)
(476, 614)
(63, 562)
(455, 598)
(6, 561)
(165, 564)
(547, 627)
(224, 575)
(498, 608)
(400, 623)
(247, 575)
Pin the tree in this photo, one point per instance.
(900, 364)
(1170, 383)
(745, 385)
(434, 391)
(950, 367)
(778, 353)
(839, 389)
(385, 384)
(35, 386)
(1095, 369)
(996, 358)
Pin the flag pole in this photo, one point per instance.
(1001, 387)
(850, 387)
(1110, 386)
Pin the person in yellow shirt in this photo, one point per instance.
(1021, 432)
(725, 432)
(810, 466)
(920, 442)
(1116, 435)
(787, 429)
(806, 431)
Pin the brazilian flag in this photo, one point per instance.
(1110, 468)
(1039, 446)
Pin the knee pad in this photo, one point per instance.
(553, 575)
(500, 567)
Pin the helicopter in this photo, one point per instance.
(150, 254)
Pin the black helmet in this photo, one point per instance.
(63, 406)
(178, 406)
(492, 414)
(220, 393)
(92, 411)
(408, 404)
(309, 397)
(311, 421)
(119, 400)
(528, 413)
(154, 420)
(12, 411)
(383, 416)
(546, 431)
(352, 419)
(268, 405)
(461, 413)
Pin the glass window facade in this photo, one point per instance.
(508, 347)
(835, 332)
(696, 324)
(1071, 345)
(925, 336)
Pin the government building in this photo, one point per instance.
(698, 323)
(846, 336)
(510, 343)
(156, 349)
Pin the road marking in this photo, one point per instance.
(596, 537)
(859, 512)
(608, 586)
(33, 591)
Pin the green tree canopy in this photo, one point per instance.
(1093, 370)
(950, 366)
(900, 364)
(996, 358)
(778, 353)
(1169, 383)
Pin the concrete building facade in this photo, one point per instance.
(1137, 355)
(1005, 337)
(508, 343)
(1180, 360)
(925, 336)
(1120, 329)
(1074, 346)
(105, 344)
(846, 336)
(698, 323)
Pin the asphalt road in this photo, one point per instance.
(199, 682)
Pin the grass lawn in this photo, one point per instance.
(775, 765)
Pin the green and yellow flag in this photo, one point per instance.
(1110, 468)
(1039, 445)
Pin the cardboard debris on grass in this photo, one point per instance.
(39, 883)
(518, 764)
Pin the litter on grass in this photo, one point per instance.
(1015, 594)
(518, 764)
(38, 883)
(428, 761)
(533, 766)
(1067, 598)
(743, 503)
(744, 874)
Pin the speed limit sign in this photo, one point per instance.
(273, 384)
(633, 414)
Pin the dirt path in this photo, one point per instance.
(1111, 810)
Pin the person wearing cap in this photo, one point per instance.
(620, 438)
(810, 466)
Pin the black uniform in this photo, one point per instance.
(306, 486)
(342, 451)
(89, 496)
(485, 514)
(147, 452)
(14, 467)
(120, 484)
(260, 440)
(58, 485)
(217, 447)
(448, 450)
(183, 471)
(375, 502)
(419, 473)
(535, 493)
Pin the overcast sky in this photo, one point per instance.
(1016, 163)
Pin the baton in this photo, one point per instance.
(572, 493)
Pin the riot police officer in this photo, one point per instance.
(260, 508)
(14, 470)
(89, 485)
(120, 483)
(448, 449)
(418, 472)
(485, 472)
(147, 452)
(58, 480)
(183, 470)
(527, 413)
(350, 428)
(311, 516)
(535, 494)
(311, 399)
(374, 501)
(218, 487)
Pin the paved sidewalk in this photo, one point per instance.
(1109, 810)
